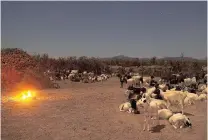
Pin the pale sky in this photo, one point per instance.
(105, 29)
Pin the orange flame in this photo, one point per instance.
(24, 96)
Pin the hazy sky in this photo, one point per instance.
(140, 29)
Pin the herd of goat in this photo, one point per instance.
(157, 98)
(76, 76)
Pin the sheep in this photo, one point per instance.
(92, 79)
(104, 77)
(154, 103)
(150, 91)
(71, 75)
(134, 80)
(135, 91)
(51, 78)
(164, 114)
(85, 73)
(179, 120)
(202, 97)
(191, 98)
(188, 101)
(145, 84)
(74, 71)
(189, 81)
(173, 89)
(173, 97)
(130, 107)
(201, 87)
(205, 90)
(131, 82)
(125, 106)
(146, 79)
(163, 87)
(161, 81)
(62, 78)
(99, 78)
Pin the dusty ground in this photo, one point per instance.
(81, 111)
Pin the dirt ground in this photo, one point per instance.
(81, 111)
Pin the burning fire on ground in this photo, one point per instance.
(28, 96)
(24, 96)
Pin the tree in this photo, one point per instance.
(153, 60)
(195, 66)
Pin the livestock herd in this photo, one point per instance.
(156, 98)
(76, 76)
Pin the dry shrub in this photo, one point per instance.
(20, 71)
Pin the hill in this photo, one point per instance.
(123, 57)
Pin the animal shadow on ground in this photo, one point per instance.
(157, 128)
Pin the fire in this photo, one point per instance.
(27, 95)
(24, 96)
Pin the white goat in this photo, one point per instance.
(164, 114)
(202, 87)
(125, 106)
(191, 98)
(189, 81)
(179, 121)
(202, 97)
(175, 98)
(205, 90)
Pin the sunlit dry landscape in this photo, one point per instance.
(104, 70)
(90, 111)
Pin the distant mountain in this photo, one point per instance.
(179, 58)
(123, 57)
(127, 57)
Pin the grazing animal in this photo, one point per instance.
(135, 80)
(164, 114)
(191, 98)
(180, 121)
(158, 93)
(132, 92)
(129, 107)
(154, 92)
(130, 82)
(164, 87)
(205, 90)
(175, 98)
(201, 87)
(154, 103)
(137, 90)
(125, 106)
(150, 91)
(202, 97)
(189, 81)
